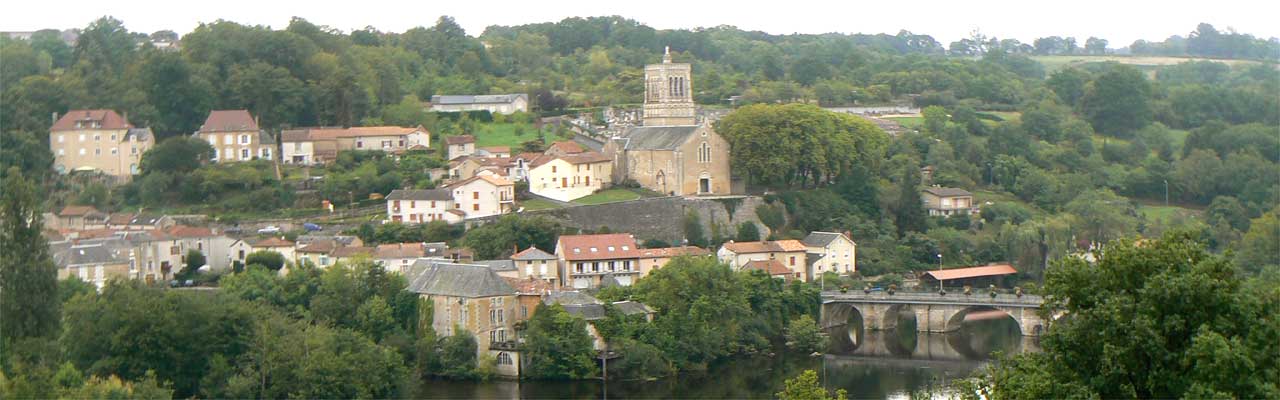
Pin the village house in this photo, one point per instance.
(474, 299)
(98, 140)
(483, 196)
(94, 262)
(831, 251)
(351, 254)
(591, 309)
(398, 257)
(537, 264)
(78, 218)
(587, 259)
(790, 253)
(494, 151)
(944, 201)
(529, 293)
(495, 103)
(421, 206)
(318, 253)
(470, 166)
(652, 259)
(138, 222)
(570, 176)
(772, 268)
(235, 136)
(671, 153)
(312, 146)
(278, 245)
(216, 248)
(460, 146)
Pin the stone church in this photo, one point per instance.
(671, 153)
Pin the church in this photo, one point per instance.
(671, 153)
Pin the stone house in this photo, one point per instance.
(494, 103)
(80, 218)
(216, 248)
(494, 151)
(586, 259)
(771, 267)
(422, 206)
(790, 253)
(474, 299)
(235, 136)
(138, 222)
(278, 245)
(311, 146)
(154, 255)
(98, 140)
(570, 176)
(537, 264)
(652, 259)
(592, 310)
(483, 196)
(95, 262)
(460, 146)
(671, 153)
(943, 201)
(831, 251)
(318, 252)
(398, 257)
(467, 167)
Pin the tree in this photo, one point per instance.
(935, 119)
(1157, 319)
(748, 232)
(806, 387)
(1116, 102)
(799, 143)
(804, 335)
(1260, 246)
(194, 260)
(908, 210)
(28, 278)
(493, 240)
(1095, 46)
(558, 346)
(693, 235)
(178, 155)
(271, 260)
(1069, 85)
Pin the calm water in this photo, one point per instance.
(887, 364)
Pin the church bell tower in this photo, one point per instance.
(668, 98)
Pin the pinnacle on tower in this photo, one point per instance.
(666, 55)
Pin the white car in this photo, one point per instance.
(269, 229)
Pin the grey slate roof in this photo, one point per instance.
(139, 134)
(657, 137)
(570, 297)
(628, 307)
(499, 265)
(589, 312)
(98, 253)
(946, 191)
(476, 99)
(820, 239)
(436, 277)
(435, 249)
(533, 254)
(428, 194)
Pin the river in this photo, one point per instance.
(887, 364)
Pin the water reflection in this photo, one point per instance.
(895, 362)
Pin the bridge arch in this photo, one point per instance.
(845, 327)
(957, 320)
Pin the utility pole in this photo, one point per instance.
(1166, 192)
(940, 289)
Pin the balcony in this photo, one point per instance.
(509, 345)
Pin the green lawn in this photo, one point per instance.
(909, 122)
(503, 135)
(1164, 214)
(609, 196)
(538, 204)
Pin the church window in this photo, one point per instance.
(704, 153)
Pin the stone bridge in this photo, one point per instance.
(934, 313)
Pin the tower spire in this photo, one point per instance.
(666, 55)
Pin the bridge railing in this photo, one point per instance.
(933, 297)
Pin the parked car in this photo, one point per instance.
(269, 230)
(310, 227)
(235, 230)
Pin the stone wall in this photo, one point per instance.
(659, 217)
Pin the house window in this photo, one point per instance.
(244, 154)
(226, 139)
(244, 139)
(504, 359)
(475, 195)
(553, 169)
(97, 152)
(133, 150)
(113, 137)
(81, 137)
(97, 138)
(61, 152)
(793, 261)
(359, 144)
(475, 207)
(114, 151)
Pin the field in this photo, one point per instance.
(609, 196)
(503, 134)
(1054, 63)
(538, 204)
(1165, 214)
(908, 122)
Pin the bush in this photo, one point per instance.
(269, 259)
(804, 335)
(747, 232)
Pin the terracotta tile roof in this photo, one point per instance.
(493, 180)
(272, 242)
(400, 250)
(598, 247)
(565, 147)
(530, 285)
(667, 252)
(972, 272)
(496, 149)
(532, 253)
(351, 251)
(229, 121)
(772, 267)
(460, 139)
(77, 211)
(96, 233)
(183, 231)
(789, 245)
(119, 219)
(586, 157)
(107, 119)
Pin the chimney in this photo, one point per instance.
(255, 122)
(54, 118)
(126, 118)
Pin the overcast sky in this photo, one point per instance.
(1119, 21)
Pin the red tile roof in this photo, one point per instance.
(776, 246)
(530, 285)
(400, 250)
(497, 149)
(772, 267)
(972, 272)
(565, 147)
(107, 119)
(606, 247)
(272, 242)
(586, 157)
(351, 251)
(183, 231)
(229, 121)
(493, 180)
(460, 139)
(666, 252)
(77, 211)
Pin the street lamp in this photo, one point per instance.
(940, 289)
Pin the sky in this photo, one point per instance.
(1119, 21)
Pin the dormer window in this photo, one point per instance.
(610, 248)
(593, 249)
(625, 247)
(576, 250)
